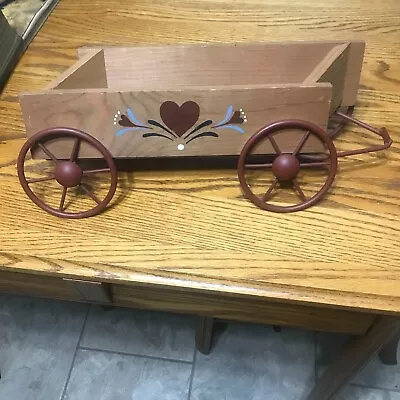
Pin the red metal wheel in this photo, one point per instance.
(289, 167)
(67, 175)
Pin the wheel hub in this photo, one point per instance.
(286, 167)
(68, 174)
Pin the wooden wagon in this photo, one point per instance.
(270, 104)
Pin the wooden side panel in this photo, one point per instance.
(336, 75)
(89, 72)
(35, 285)
(239, 308)
(55, 288)
(170, 67)
(176, 123)
(243, 309)
(333, 70)
(353, 73)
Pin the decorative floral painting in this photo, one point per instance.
(180, 123)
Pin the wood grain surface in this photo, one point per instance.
(193, 228)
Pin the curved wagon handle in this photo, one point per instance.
(382, 132)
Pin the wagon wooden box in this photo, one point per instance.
(267, 103)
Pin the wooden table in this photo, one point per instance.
(187, 240)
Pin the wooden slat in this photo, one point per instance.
(88, 72)
(243, 309)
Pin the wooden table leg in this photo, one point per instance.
(277, 328)
(355, 355)
(204, 334)
(388, 354)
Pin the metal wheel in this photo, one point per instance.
(67, 177)
(287, 166)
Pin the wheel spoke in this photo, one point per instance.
(43, 179)
(267, 194)
(275, 145)
(298, 190)
(62, 201)
(75, 150)
(301, 143)
(90, 194)
(258, 166)
(316, 164)
(95, 171)
(48, 152)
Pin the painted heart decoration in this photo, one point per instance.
(179, 118)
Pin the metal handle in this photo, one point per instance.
(382, 132)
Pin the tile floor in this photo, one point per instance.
(53, 350)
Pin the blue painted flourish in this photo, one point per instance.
(236, 128)
(229, 113)
(133, 118)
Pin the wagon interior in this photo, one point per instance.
(214, 66)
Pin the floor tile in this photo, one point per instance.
(374, 374)
(106, 376)
(352, 392)
(140, 332)
(38, 339)
(254, 362)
